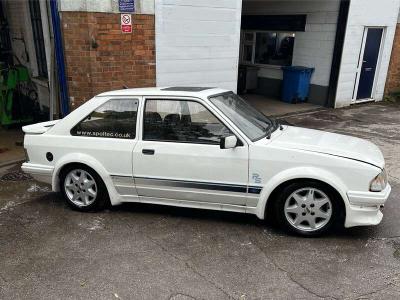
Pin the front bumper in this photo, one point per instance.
(41, 173)
(364, 208)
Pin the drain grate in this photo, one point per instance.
(15, 176)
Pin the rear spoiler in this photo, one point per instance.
(39, 128)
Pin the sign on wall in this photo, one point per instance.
(127, 6)
(126, 23)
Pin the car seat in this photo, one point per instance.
(171, 126)
(153, 125)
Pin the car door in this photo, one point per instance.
(179, 156)
(109, 135)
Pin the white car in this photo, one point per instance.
(207, 148)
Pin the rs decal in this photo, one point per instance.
(256, 178)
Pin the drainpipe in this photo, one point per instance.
(338, 51)
(59, 53)
(47, 46)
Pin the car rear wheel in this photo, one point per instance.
(307, 208)
(83, 189)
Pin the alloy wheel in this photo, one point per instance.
(308, 209)
(80, 187)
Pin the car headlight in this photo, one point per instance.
(379, 183)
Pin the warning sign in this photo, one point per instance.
(126, 23)
(126, 6)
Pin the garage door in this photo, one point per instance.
(197, 42)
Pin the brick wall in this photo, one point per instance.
(393, 80)
(99, 57)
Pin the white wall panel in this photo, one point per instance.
(197, 42)
(182, 65)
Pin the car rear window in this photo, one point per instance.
(114, 119)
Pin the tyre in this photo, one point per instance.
(307, 208)
(83, 189)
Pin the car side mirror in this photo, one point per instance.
(228, 142)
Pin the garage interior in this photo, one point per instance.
(24, 66)
(27, 71)
(280, 34)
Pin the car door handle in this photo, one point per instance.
(148, 151)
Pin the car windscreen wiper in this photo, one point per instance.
(279, 124)
(273, 127)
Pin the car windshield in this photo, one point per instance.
(252, 122)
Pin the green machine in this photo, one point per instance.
(15, 106)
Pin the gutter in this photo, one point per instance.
(59, 52)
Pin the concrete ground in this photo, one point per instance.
(48, 251)
(276, 107)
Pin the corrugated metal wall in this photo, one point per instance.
(197, 42)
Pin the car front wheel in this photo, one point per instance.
(83, 189)
(307, 208)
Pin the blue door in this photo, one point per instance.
(369, 62)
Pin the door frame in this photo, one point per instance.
(181, 183)
(354, 99)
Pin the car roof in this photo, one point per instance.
(201, 92)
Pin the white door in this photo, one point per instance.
(197, 43)
(179, 156)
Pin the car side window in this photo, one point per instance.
(181, 121)
(114, 119)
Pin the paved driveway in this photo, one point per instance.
(152, 252)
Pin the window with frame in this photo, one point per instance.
(114, 119)
(268, 48)
(181, 121)
(37, 29)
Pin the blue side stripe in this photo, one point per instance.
(205, 185)
(254, 190)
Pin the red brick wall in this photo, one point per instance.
(99, 57)
(393, 80)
